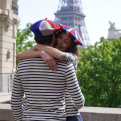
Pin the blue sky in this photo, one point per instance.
(98, 14)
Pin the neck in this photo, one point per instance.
(51, 44)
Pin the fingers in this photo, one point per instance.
(50, 61)
(52, 65)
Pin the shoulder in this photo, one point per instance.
(70, 54)
(70, 57)
(64, 64)
(30, 62)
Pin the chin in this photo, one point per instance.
(59, 49)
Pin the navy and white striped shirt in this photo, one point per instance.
(70, 109)
(44, 91)
(71, 57)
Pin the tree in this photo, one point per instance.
(22, 42)
(99, 73)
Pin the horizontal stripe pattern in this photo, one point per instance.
(70, 108)
(70, 57)
(44, 90)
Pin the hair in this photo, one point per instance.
(44, 39)
(72, 48)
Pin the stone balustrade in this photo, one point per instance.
(88, 113)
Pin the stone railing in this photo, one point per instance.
(100, 114)
(6, 97)
(88, 113)
(6, 113)
(6, 81)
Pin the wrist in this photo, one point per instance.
(40, 53)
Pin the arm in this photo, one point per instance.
(49, 60)
(57, 54)
(50, 50)
(38, 49)
(28, 54)
(17, 97)
(73, 87)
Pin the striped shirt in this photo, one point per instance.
(70, 57)
(44, 91)
(70, 109)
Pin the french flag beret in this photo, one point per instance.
(73, 34)
(46, 27)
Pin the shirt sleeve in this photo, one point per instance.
(70, 57)
(17, 97)
(73, 87)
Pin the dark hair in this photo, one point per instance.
(43, 39)
(58, 33)
(72, 48)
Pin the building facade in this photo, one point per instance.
(8, 31)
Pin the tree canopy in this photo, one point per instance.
(22, 42)
(99, 73)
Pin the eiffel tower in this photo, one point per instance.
(70, 13)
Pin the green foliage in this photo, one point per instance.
(99, 73)
(23, 43)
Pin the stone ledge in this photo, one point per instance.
(101, 110)
(100, 114)
(87, 113)
(5, 97)
(6, 113)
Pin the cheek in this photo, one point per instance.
(65, 47)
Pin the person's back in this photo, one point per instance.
(44, 90)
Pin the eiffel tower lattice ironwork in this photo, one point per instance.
(70, 13)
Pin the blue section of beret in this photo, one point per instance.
(35, 28)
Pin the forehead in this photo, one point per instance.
(65, 36)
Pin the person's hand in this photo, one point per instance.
(49, 60)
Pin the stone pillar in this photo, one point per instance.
(8, 31)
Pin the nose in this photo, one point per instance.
(60, 41)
